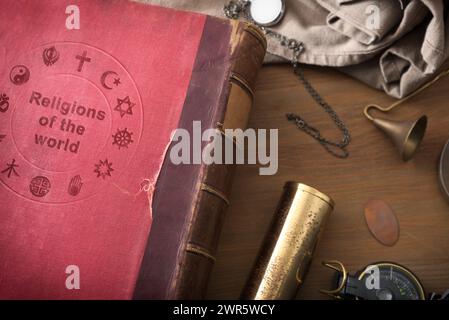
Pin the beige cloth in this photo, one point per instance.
(408, 45)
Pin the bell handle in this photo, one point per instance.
(397, 103)
(367, 109)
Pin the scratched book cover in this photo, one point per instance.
(86, 117)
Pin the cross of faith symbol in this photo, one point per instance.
(84, 58)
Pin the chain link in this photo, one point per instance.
(234, 10)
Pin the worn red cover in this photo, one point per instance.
(85, 119)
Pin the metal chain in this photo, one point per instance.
(234, 10)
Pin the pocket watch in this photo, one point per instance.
(268, 13)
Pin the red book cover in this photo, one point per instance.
(85, 119)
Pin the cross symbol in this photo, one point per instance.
(82, 59)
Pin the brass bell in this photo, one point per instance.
(405, 135)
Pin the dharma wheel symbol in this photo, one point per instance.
(122, 138)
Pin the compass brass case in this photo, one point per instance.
(288, 248)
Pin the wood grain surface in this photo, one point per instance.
(373, 171)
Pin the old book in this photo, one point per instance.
(91, 205)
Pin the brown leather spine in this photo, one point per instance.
(198, 256)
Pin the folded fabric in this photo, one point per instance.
(357, 19)
(392, 45)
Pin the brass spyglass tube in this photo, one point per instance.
(288, 247)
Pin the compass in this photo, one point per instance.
(378, 281)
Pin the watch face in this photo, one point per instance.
(267, 12)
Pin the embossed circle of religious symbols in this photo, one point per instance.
(75, 116)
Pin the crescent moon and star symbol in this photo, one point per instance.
(109, 79)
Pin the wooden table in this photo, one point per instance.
(374, 170)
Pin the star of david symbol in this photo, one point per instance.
(124, 106)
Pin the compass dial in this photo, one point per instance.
(395, 283)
